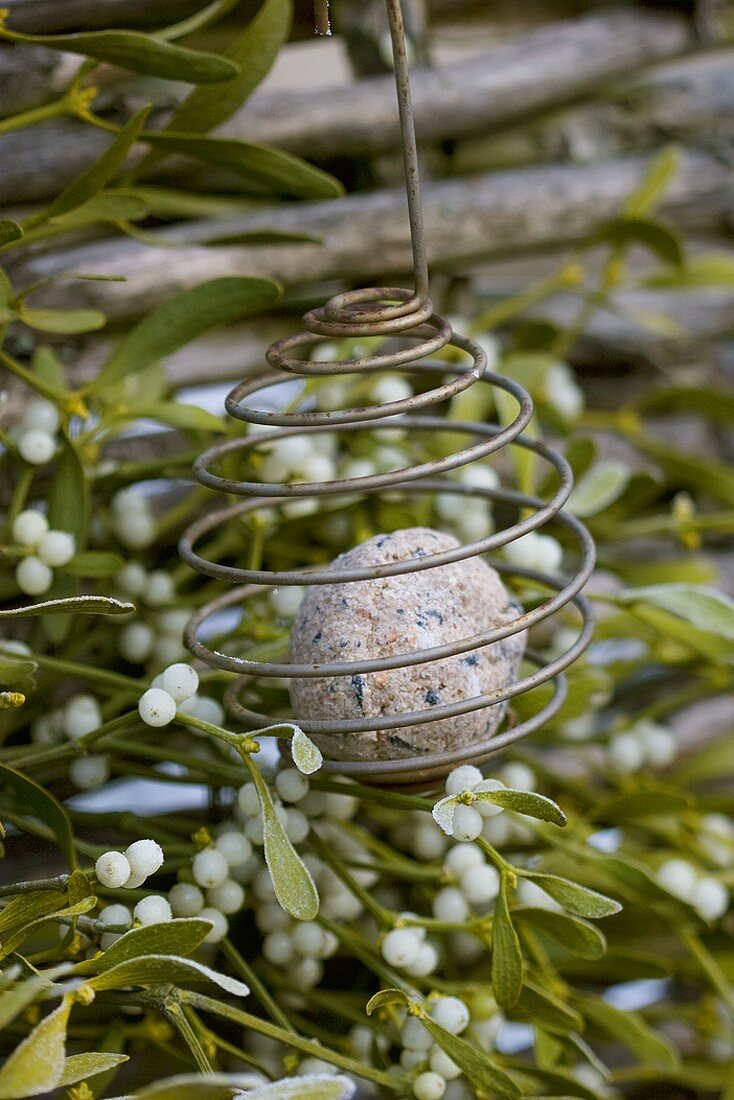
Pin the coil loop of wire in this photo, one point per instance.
(421, 333)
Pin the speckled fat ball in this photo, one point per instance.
(361, 620)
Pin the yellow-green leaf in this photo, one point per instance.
(507, 971)
(37, 1064)
(78, 1067)
(188, 315)
(141, 53)
(579, 900)
(84, 605)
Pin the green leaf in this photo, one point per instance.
(523, 802)
(306, 756)
(68, 499)
(65, 321)
(200, 19)
(37, 1064)
(178, 415)
(561, 1085)
(84, 605)
(598, 488)
(43, 803)
(94, 563)
(253, 51)
(292, 882)
(576, 935)
(280, 173)
(543, 1008)
(9, 231)
(15, 669)
(99, 174)
(712, 478)
(108, 206)
(317, 1087)
(16, 1000)
(6, 289)
(141, 53)
(708, 270)
(645, 198)
(45, 364)
(16, 938)
(221, 1086)
(261, 236)
(507, 973)
(630, 1029)
(702, 607)
(579, 900)
(180, 936)
(386, 997)
(78, 1067)
(654, 236)
(643, 803)
(479, 1070)
(170, 326)
(27, 907)
(164, 970)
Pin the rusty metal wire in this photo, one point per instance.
(406, 319)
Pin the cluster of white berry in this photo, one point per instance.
(298, 459)
(302, 947)
(43, 549)
(644, 744)
(535, 551)
(474, 882)
(706, 894)
(409, 949)
(716, 837)
(417, 834)
(432, 1066)
(130, 869)
(158, 637)
(468, 821)
(132, 518)
(35, 436)
(170, 691)
(217, 892)
(470, 518)
(79, 716)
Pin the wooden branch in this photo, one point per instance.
(55, 16)
(543, 68)
(531, 73)
(687, 99)
(30, 75)
(366, 235)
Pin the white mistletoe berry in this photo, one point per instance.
(29, 528)
(56, 548)
(209, 868)
(112, 870)
(145, 857)
(156, 707)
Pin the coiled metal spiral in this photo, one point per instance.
(407, 319)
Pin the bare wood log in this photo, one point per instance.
(533, 72)
(545, 67)
(30, 75)
(689, 98)
(366, 235)
(48, 16)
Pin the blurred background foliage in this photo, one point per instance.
(159, 180)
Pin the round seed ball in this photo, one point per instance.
(401, 614)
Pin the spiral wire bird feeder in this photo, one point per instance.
(408, 317)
